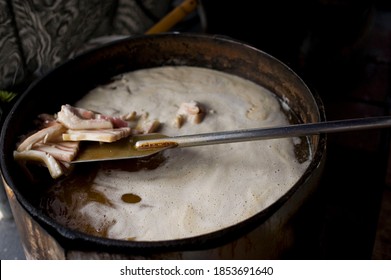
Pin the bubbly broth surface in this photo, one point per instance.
(180, 192)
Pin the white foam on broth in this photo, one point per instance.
(197, 190)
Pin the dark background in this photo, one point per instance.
(342, 50)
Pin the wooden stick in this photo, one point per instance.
(172, 18)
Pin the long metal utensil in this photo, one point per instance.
(146, 145)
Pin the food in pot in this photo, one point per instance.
(56, 143)
(187, 192)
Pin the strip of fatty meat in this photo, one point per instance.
(57, 143)
(79, 118)
(54, 167)
(101, 135)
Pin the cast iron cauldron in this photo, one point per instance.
(268, 234)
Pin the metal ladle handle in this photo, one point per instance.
(266, 133)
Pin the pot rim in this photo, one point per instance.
(84, 242)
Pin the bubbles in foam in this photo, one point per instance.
(191, 191)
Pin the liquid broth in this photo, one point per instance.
(181, 192)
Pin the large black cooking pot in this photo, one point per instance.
(268, 234)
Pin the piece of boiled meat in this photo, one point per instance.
(79, 118)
